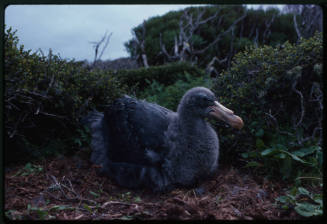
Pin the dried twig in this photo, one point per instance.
(117, 203)
(301, 103)
(273, 119)
(62, 187)
(14, 132)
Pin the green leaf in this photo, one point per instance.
(60, 207)
(28, 166)
(245, 155)
(78, 141)
(87, 208)
(126, 217)
(94, 194)
(319, 201)
(307, 209)
(259, 144)
(252, 154)
(253, 164)
(280, 156)
(269, 151)
(281, 147)
(282, 199)
(137, 199)
(286, 168)
(259, 133)
(320, 158)
(294, 157)
(285, 207)
(42, 213)
(306, 151)
(304, 191)
(293, 191)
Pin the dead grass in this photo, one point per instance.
(70, 189)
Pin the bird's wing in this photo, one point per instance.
(137, 131)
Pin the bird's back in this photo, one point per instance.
(135, 128)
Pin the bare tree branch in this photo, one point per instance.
(267, 31)
(301, 103)
(252, 30)
(296, 27)
(140, 44)
(221, 34)
(210, 67)
(105, 45)
(189, 25)
(256, 39)
(97, 46)
(231, 49)
(309, 16)
(164, 50)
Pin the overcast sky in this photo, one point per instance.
(69, 29)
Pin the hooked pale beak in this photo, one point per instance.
(218, 111)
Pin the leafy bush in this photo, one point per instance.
(277, 91)
(170, 96)
(164, 74)
(311, 204)
(45, 97)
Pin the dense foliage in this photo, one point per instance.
(169, 96)
(164, 74)
(45, 97)
(278, 93)
(257, 27)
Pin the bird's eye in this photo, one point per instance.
(204, 99)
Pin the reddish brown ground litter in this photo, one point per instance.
(70, 188)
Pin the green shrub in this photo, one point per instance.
(164, 74)
(304, 203)
(277, 92)
(170, 96)
(45, 96)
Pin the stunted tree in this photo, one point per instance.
(208, 36)
(100, 47)
(139, 43)
(190, 25)
(183, 43)
(307, 19)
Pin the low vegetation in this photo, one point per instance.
(45, 96)
(278, 93)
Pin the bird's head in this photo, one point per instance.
(201, 102)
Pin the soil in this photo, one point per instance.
(69, 188)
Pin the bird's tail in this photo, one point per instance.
(94, 121)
